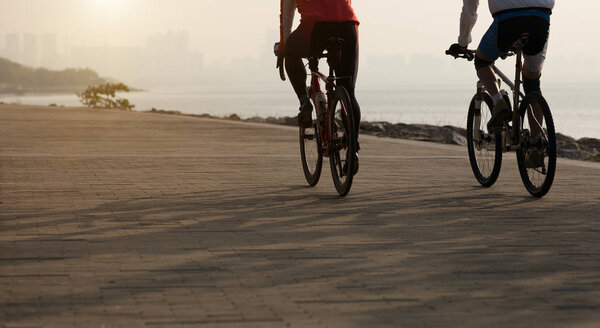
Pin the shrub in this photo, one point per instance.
(103, 96)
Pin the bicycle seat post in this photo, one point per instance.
(518, 49)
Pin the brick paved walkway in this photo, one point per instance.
(114, 219)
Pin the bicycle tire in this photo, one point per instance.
(342, 159)
(485, 155)
(537, 181)
(310, 152)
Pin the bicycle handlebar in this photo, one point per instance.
(468, 55)
(280, 61)
(280, 65)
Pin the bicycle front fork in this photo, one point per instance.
(477, 116)
(509, 141)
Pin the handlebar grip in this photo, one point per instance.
(280, 61)
(281, 66)
(282, 73)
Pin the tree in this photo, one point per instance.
(15, 76)
(103, 96)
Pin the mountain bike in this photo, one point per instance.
(530, 133)
(333, 133)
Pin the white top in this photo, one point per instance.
(468, 16)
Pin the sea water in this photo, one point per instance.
(576, 108)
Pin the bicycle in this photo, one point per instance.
(333, 133)
(530, 133)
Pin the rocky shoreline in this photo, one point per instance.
(587, 149)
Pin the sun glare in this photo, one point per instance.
(109, 10)
(107, 4)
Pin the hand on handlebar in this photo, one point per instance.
(280, 61)
(280, 65)
(457, 51)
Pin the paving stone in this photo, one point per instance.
(125, 219)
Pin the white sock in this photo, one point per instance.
(497, 97)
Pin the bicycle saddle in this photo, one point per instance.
(521, 42)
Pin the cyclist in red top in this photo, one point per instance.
(320, 21)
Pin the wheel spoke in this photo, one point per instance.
(311, 157)
(342, 127)
(484, 156)
(537, 155)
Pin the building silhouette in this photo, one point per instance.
(13, 47)
(50, 58)
(30, 50)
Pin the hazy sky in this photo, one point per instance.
(225, 29)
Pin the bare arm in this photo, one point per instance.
(468, 17)
(286, 19)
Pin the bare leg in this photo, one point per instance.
(531, 75)
(535, 115)
(487, 76)
(501, 111)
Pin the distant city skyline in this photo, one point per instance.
(166, 57)
(234, 38)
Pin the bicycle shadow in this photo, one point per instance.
(291, 236)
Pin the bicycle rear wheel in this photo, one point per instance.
(536, 155)
(310, 151)
(342, 158)
(485, 149)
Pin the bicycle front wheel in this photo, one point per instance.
(485, 149)
(342, 159)
(310, 152)
(536, 155)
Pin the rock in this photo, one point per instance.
(589, 144)
(567, 147)
(582, 149)
(286, 120)
(372, 127)
(275, 120)
(255, 119)
(421, 132)
(290, 121)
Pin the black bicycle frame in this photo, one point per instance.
(517, 94)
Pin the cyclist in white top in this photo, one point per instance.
(512, 19)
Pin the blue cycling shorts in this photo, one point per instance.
(507, 28)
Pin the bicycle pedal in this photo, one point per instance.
(309, 137)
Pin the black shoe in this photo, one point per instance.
(355, 170)
(500, 113)
(356, 158)
(305, 115)
(534, 159)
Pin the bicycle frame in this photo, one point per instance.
(524, 132)
(315, 86)
(517, 96)
(514, 130)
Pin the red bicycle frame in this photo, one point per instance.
(315, 87)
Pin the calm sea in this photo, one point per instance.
(576, 108)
